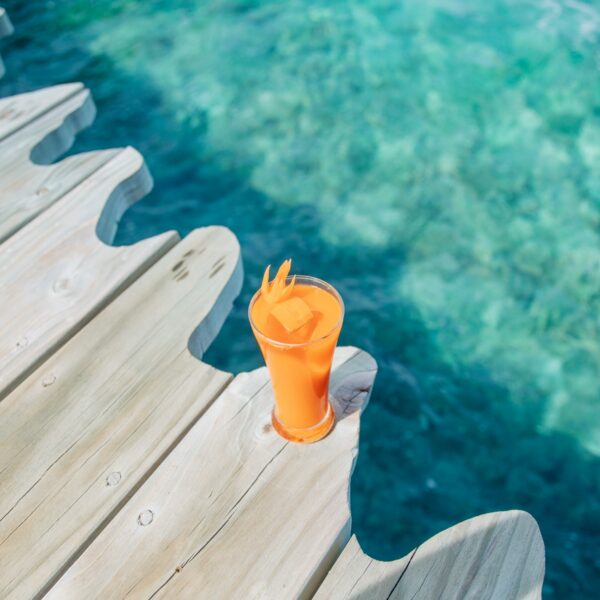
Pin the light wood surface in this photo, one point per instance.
(234, 511)
(17, 111)
(82, 431)
(497, 556)
(55, 274)
(357, 576)
(29, 182)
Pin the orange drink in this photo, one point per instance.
(297, 321)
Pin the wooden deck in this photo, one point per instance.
(129, 468)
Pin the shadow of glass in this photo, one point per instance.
(351, 390)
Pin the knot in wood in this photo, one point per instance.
(42, 191)
(113, 478)
(145, 517)
(61, 286)
(48, 380)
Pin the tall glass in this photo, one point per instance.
(300, 374)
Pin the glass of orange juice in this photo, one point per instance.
(297, 322)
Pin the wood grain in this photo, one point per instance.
(83, 431)
(30, 183)
(55, 274)
(497, 556)
(17, 111)
(234, 511)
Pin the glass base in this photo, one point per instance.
(309, 434)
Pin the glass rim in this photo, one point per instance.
(310, 280)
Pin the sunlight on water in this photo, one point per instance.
(429, 128)
(439, 163)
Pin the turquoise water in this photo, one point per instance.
(437, 161)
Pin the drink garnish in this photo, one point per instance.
(291, 312)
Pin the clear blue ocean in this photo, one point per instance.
(438, 161)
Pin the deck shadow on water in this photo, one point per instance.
(440, 443)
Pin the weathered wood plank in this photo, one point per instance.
(26, 188)
(79, 434)
(497, 556)
(6, 28)
(17, 111)
(55, 274)
(234, 511)
(355, 575)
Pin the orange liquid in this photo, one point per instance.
(300, 374)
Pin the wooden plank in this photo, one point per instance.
(356, 575)
(234, 511)
(83, 431)
(28, 188)
(55, 274)
(17, 111)
(497, 556)
(6, 28)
